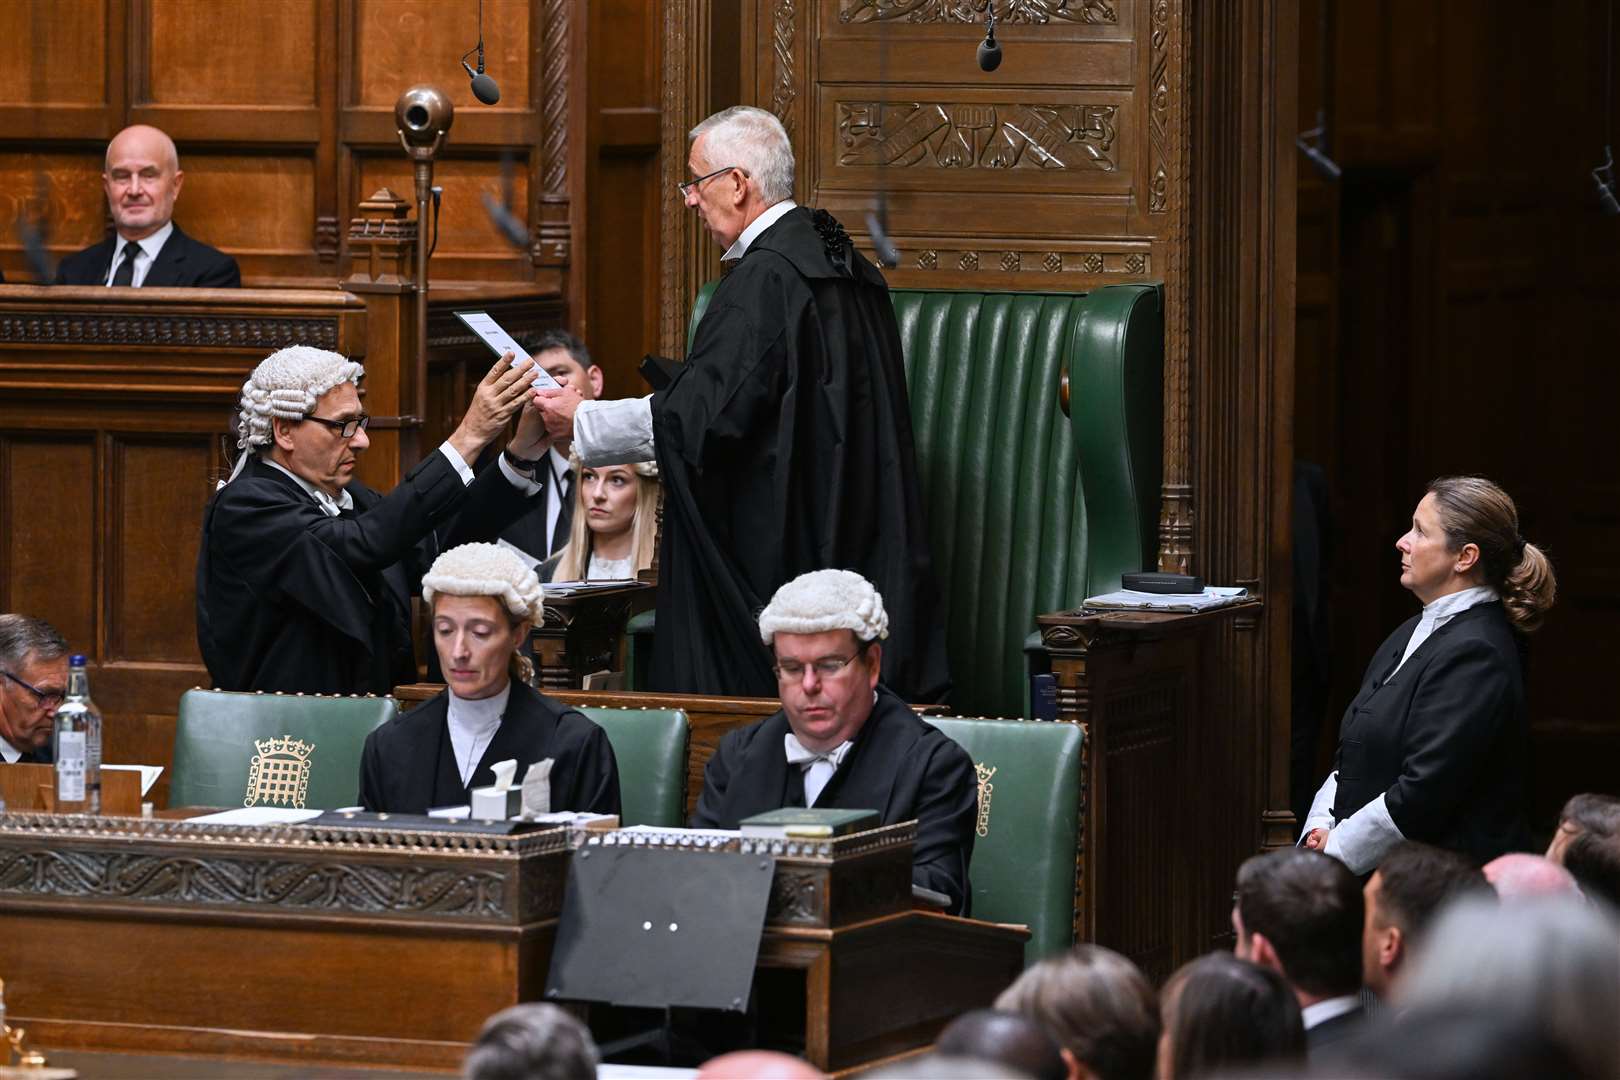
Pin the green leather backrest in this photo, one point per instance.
(650, 748)
(271, 749)
(1029, 813)
(1029, 512)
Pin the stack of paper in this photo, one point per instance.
(1131, 600)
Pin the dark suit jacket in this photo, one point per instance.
(898, 765)
(182, 262)
(1444, 738)
(45, 755)
(408, 764)
(291, 599)
(1333, 1032)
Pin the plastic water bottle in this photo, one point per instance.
(78, 745)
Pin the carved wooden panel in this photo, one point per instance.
(469, 244)
(268, 57)
(35, 40)
(61, 188)
(48, 500)
(156, 488)
(398, 43)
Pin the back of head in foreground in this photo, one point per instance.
(532, 1042)
(1587, 844)
(758, 1065)
(1221, 1012)
(1302, 910)
(1097, 1005)
(1409, 888)
(1007, 1038)
(1553, 962)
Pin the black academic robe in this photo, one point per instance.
(784, 444)
(291, 599)
(897, 764)
(408, 765)
(1444, 738)
(181, 262)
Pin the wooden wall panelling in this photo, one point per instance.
(41, 97)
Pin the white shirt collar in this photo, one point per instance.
(473, 722)
(1451, 605)
(329, 506)
(765, 220)
(9, 752)
(149, 245)
(1323, 1011)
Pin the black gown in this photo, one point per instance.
(785, 445)
(291, 599)
(897, 764)
(408, 765)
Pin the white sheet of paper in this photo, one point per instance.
(493, 335)
(259, 815)
(464, 810)
(149, 774)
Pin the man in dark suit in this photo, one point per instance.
(841, 740)
(1300, 913)
(146, 248)
(33, 681)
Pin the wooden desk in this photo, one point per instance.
(364, 946)
(582, 634)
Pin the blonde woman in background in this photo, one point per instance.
(615, 525)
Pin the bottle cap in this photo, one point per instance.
(76, 660)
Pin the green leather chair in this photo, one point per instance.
(1029, 814)
(650, 748)
(291, 750)
(1029, 511)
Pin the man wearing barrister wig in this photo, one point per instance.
(484, 599)
(304, 575)
(841, 740)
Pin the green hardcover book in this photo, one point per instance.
(808, 822)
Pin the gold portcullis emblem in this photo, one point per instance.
(279, 772)
(985, 788)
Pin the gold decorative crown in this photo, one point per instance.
(285, 744)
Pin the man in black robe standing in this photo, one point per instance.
(784, 442)
(304, 575)
(843, 741)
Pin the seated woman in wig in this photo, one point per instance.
(615, 526)
(484, 600)
(1433, 747)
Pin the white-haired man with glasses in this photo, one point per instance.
(33, 682)
(784, 442)
(304, 575)
(842, 739)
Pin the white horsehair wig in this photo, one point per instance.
(825, 600)
(486, 570)
(287, 383)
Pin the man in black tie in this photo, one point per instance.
(843, 741)
(33, 681)
(146, 248)
(543, 531)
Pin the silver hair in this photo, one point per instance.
(532, 1042)
(22, 637)
(287, 383)
(1554, 961)
(755, 141)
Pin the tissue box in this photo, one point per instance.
(496, 804)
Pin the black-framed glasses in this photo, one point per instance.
(345, 428)
(686, 187)
(827, 667)
(48, 699)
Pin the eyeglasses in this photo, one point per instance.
(345, 428)
(826, 667)
(48, 699)
(686, 187)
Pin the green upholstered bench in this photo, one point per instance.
(650, 748)
(1023, 868)
(294, 750)
(1029, 510)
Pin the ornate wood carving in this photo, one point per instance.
(181, 331)
(326, 238)
(797, 898)
(956, 135)
(1159, 108)
(973, 11)
(1131, 264)
(785, 89)
(553, 238)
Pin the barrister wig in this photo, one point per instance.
(486, 570)
(288, 383)
(825, 600)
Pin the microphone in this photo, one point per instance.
(989, 50)
(483, 87)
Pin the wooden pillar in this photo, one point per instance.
(383, 241)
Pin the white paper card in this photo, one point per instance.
(259, 815)
(492, 334)
(149, 774)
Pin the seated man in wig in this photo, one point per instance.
(840, 739)
(304, 575)
(484, 599)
